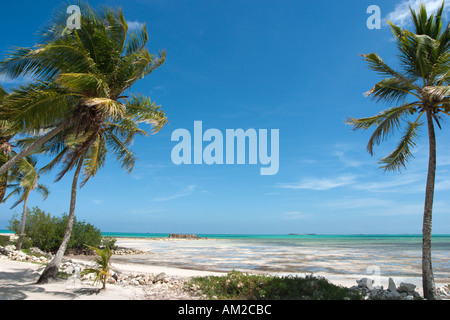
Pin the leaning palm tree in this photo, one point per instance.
(89, 151)
(424, 78)
(6, 134)
(82, 75)
(81, 101)
(24, 179)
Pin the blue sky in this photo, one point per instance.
(287, 65)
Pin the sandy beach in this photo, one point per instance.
(18, 279)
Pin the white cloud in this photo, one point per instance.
(184, 193)
(135, 24)
(320, 183)
(22, 80)
(348, 162)
(401, 15)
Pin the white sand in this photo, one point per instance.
(18, 282)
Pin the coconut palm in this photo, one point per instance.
(82, 75)
(88, 152)
(81, 104)
(5, 145)
(24, 179)
(424, 78)
(102, 267)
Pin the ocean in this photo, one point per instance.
(389, 255)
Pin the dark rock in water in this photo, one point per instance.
(183, 236)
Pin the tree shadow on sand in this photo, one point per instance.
(21, 285)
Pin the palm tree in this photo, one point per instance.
(83, 75)
(5, 146)
(88, 152)
(81, 105)
(424, 77)
(102, 268)
(25, 179)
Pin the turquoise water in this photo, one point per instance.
(400, 237)
(406, 238)
(396, 255)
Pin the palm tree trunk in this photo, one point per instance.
(51, 271)
(429, 289)
(22, 226)
(28, 150)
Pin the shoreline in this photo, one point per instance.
(18, 280)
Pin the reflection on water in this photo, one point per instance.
(401, 257)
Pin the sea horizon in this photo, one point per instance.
(121, 234)
(261, 235)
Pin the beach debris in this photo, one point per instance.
(405, 291)
(444, 291)
(11, 253)
(365, 283)
(37, 251)
(184, 236)
(392, 287)
(407, 287)
(127, 251)
(160, 277)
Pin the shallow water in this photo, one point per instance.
(391, 255)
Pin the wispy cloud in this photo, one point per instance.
(358, 203)
(442, 185)
(320, 183)
(348, 162)
(402, 16)
(96, 201)
(413, 182)
(5, 81)
(294, 215)
(135, 24)
(183, 193)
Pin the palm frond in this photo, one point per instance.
(137, 39)
(122, 153)
(94, 84)
(398, 159)
(142, 110)
(94, 159)
(386, 123)
(392, 90)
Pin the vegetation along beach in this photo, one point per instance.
(108, 192)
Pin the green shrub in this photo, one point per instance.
(46, 232)
(239, 286)
(109, 242)
(41, 227)
(27, 243)
(4, 240)
(83, 234)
